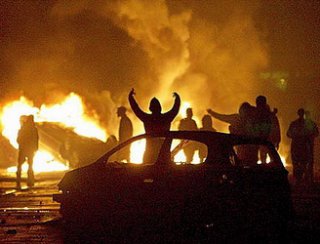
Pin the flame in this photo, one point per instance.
(68, 113)
(10, 118)
(137, 150)
(180, 157)
(43, 162)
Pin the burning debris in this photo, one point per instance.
(68, 115)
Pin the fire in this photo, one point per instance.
(43, 162)
(181, 157)
(68, 113)
(137, 150)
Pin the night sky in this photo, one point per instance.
(215, 54)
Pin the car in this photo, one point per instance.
(228, 197)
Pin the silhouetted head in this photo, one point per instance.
(261, 101)
(30, 119)
(23, 119)
(206, 121)
(121, 111)
(300, 112)
(155, 106)
(245, 109)
(189, 113)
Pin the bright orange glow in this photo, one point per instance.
(137, 150)
(180, 157)
(69, 113)
(10, 118)
(43, 162)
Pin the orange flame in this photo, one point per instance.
(69, 113)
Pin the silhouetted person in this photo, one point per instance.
(28, 140)
(189, 124)
(125, 132)
(266, 125)
(275, 133)
(206, 126)
(300, 146)
(262, 118)
(238, 122)
(274, 136)
(155, 122)
(312, 129)
(241, 124)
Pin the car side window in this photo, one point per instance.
(130, 153)
(140, 151)
(188, 151)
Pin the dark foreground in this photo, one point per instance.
(31, 216)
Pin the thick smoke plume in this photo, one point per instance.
(97, 48)
(211, 63)
(210, 52)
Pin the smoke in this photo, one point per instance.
(211, 63)
(209, 53)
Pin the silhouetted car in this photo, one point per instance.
(228, 197)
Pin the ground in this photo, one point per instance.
(31, 215)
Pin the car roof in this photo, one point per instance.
(211, 139)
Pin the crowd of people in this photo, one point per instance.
(251, 120)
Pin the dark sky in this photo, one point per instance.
(293, 35)
(216, 54)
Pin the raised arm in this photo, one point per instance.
(175, 109)
(228, 118)
(135, 107)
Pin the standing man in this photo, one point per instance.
(189, 124)
(125, 131)
(275, 133)
(262, 120)
(206, 126)
(156, 122)
(312, 129)
(28, 140)
(300, 146)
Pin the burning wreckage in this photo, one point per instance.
(227, 196)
